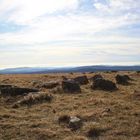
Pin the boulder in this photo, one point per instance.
(102, 84)
(5, 86)
(70, 86)
(127, 77)
(122, 79)
(9, 90)
(75, 123)
(95, 77)
(82, 80)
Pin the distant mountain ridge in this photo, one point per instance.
(94, 68)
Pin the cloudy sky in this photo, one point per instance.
(69, 32)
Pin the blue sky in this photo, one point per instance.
(69, 32)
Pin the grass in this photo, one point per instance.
(106, 115)
(64, 119)
(94, 132)
(32, 99)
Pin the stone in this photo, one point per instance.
(95, 77)
(122, 79)
(82, 80)
(102, 84)
(75, 123)
(9, 90)
(70, 86)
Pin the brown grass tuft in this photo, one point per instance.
(76, 138)
(35, 99)
(95, 131)
(64, 119)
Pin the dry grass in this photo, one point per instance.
(106, 115)
(32, 99)
(64, 119)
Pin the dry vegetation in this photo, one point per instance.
(105, 115)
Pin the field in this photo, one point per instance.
(105, 115)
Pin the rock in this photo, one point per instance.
(82, 80)
(95, 77)
(75, 123)
(70, 86)
(102, 84)
(127, 77)
(5, 86)
(9, 90)
(122, 79)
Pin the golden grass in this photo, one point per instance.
(35, 99)
(110, 115)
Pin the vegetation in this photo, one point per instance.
(44, 115)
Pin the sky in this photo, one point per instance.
(48, 33)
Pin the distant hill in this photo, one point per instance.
(38, 70)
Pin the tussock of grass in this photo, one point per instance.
(95, 131)
(35, 99)
(64, 119)
(76, 138)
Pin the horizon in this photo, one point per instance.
(74, 66)
(69, 33)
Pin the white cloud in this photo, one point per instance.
(23, 11)
(60, 27)
(67, 28)
(53, 38)
(118, 6)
